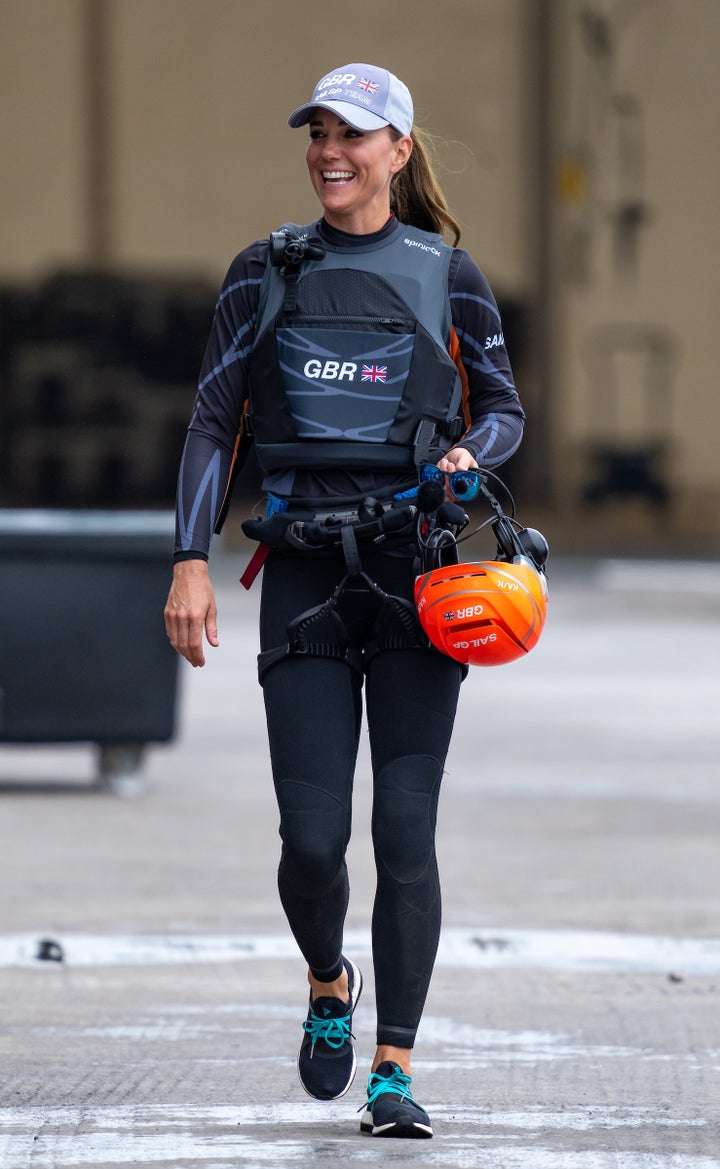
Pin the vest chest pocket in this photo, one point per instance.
(345, 382)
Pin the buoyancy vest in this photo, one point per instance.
(350, 365)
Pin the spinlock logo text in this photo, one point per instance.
(416, 243)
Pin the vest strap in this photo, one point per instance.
(256, 562)
(350, 550)
(423, 440)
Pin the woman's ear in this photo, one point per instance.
(403, 150)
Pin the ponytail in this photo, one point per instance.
(416, 197)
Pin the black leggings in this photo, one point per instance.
(314, 712)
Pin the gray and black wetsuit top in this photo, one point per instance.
(378, 356)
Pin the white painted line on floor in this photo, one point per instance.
(309, 1133)
(572, 950)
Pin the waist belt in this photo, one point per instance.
(312, 530)
(319, 532)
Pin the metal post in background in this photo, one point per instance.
(538, 452)
(97, 113)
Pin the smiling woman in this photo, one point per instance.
(351, 171)
(355, 347)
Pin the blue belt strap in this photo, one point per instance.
(275, 504)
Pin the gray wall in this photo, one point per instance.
(197, 154)
(635, 141)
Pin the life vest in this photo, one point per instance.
(350, 366)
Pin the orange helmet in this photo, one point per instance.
(483, 614)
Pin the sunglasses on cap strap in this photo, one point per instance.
(464, 485)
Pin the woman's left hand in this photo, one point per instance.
(456, 459)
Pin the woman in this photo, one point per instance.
(358, 348)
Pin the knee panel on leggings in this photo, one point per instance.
(315, 829)
(405, 814)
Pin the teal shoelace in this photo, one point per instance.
(335, 1032)
(398, 1083)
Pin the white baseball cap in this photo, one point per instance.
(365, 96)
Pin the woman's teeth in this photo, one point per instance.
(338, 176)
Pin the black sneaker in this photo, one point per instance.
(327, 1060)
(391, 1110)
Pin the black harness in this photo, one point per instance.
(396, 623)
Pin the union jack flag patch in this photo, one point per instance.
(368, 86)
(373, 373)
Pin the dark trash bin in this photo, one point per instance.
(83, 651)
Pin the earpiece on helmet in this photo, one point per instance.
(534, 546)
(508, 547)
(441, 547)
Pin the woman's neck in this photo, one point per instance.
(338, 235)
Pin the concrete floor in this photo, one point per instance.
(574, 1017)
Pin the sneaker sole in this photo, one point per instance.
(409, 1131)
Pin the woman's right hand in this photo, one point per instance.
(191, 610)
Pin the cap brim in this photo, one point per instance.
(355, 116)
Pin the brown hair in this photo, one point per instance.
(416, 197)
